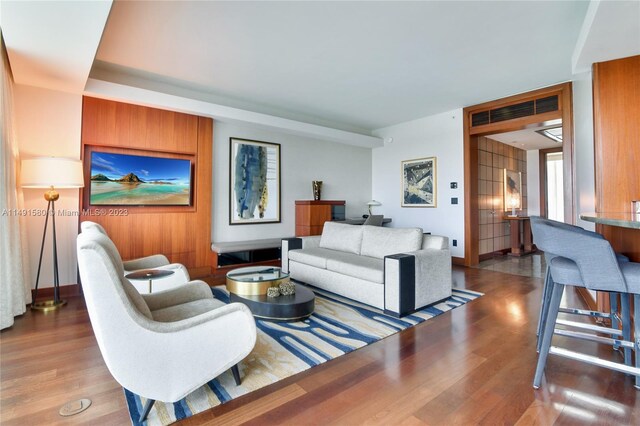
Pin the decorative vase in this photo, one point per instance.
(317, 189)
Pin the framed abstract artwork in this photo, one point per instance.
(512, 190)
(419, 185)
(254, 182)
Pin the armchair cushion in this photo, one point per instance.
(188, 292)
(186, 310)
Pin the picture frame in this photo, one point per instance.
(254, 182)
(419, 182)
(512, 190)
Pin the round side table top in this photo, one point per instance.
(148, 274)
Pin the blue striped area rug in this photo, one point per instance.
(338, 326)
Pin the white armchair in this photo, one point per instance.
(161, 346)
(157, 261)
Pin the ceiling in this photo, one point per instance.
(348, 66)
(352, 65)
(527, 139)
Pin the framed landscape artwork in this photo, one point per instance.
(254, 182)
(419, 182)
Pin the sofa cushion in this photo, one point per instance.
(380, 242)
(315, 256)
(341, 237)
(363, 267)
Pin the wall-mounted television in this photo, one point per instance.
(138, 180)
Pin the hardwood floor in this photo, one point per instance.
(472, 365)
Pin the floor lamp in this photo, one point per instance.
(52, 173)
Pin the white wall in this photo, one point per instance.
(533, 182)
(345, 171)
(583, 147)
(438, 135)
(48, 123)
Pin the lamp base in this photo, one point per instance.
(48, 305)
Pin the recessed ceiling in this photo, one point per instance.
(528, 139)
(52, 44)
(352, 65)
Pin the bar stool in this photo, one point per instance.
(600, 271)
(572, 274)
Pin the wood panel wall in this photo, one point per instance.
(183, 234)
(616, 108)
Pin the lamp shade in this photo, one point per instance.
(374, 203)
(45, 172)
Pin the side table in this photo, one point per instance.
(516, 244)
(149, 274)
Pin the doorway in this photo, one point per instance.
(551, 184)
(537, 110)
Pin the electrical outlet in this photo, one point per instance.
(454, 200)
(455, 243)
(454, 185)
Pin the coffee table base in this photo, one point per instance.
(295, 307)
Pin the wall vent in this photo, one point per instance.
(519, 110)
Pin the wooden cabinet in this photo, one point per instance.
(311, 215)
(616, 113)
(616, 90)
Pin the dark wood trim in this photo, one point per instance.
(457, 260)
(470, 148)
(488, 256)
(542, 170)
(70, 290)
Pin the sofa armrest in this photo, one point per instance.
(311, 242)
(295, 244)
(433, 276)
(416, 279)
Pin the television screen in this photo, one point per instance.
(136, 180)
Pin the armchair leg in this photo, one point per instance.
(147, 408)
(236, 374)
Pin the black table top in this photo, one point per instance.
(148, 274)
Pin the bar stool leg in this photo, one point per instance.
(613, 305)
(626, 325)
(547, 334)
(546, 296)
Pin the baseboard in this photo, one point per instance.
(457, 260)
(46, 293)
(488, 256)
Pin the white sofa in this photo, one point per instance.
(399, 270)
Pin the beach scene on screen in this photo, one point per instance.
(121, 179)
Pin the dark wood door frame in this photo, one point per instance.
(471, 134)
(543, 178)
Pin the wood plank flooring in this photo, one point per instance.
(472, 365)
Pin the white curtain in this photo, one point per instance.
(15, 288)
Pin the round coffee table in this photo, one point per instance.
(249, 286)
